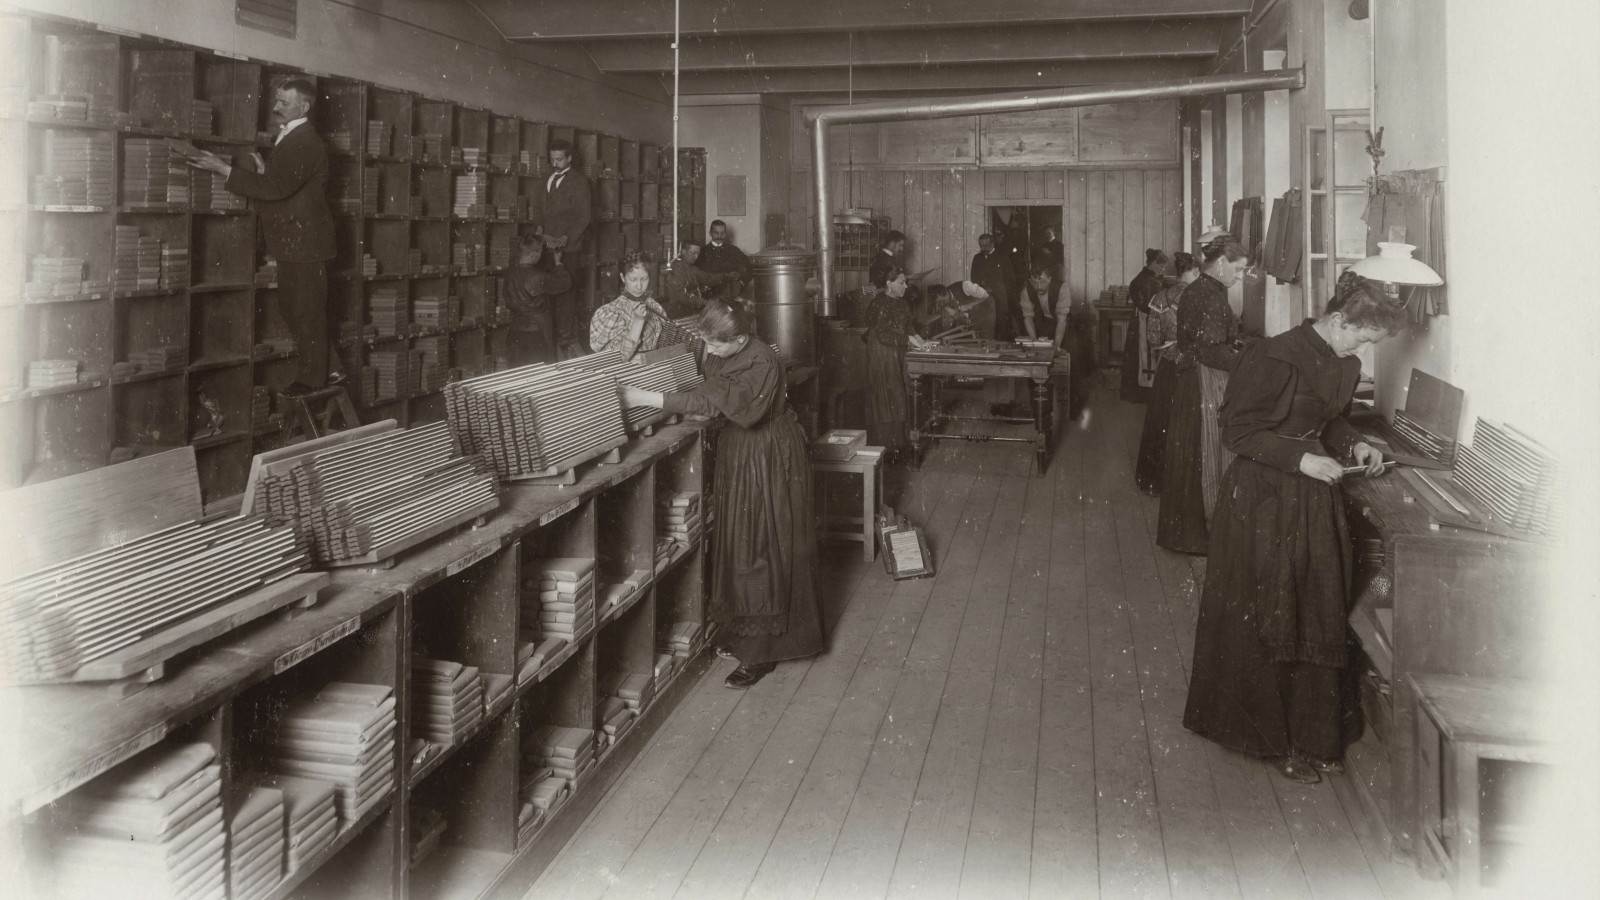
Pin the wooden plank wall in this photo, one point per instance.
(1110, 215)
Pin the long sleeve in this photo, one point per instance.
(288, 170)
(1260, 398)
(743, 393)
(609, 329)
(972, 271)
(1340, 436)
(888, 323)
(1206, 325)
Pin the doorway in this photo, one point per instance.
(1023, 232)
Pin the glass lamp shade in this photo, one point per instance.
(1213, 232)
(850, 217)
(1394, 265)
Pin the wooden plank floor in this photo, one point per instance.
(1010, 728)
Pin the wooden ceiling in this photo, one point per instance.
(883, 47)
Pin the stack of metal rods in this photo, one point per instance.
(356, 498)
(675, 373)
(529, 420)
(1514, 476)
(56, 619)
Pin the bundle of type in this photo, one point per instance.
(427, 827)
(675, 646)
(535, 420)
(1433, 445)
(615, 595)
(151, 827)
(1513, 475)
(448, 699)
(310, 816)
(557, 600)
(677, 372)
(344, 735)
(625, 700)
(678, 525)
(56, 619)
(372, 496)
(569, 753)
(256, 843)
(543, 792)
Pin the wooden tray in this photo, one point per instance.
(565, 471)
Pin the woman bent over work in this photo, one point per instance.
(1271, 651)
(763, 582)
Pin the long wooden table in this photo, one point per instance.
(1041, 366)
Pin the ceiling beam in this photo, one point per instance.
(991, 76)
(1099, 40)
(588, 20)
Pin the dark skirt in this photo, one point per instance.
(1181, 525)
(1151, 464)
(1080, 340)
(1277, 562)
(886, 396)
(1132, 390)
(764, 568)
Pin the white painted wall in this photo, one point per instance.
(730, 130)
(441, 49)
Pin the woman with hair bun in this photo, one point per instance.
(764, 573)
(1161, 344)
(631, 323)
(890, 330)
(1144, 285)
(1271, 649)
(1209, 343)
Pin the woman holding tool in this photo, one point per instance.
(630, 324)
(763, 582)
(889, 333)
(1271, 650)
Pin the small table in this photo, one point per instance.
(1465, 721)
(1044, 368)
(871, 499)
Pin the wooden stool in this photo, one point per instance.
(1463, 722)
(315, 424)
(871, 499)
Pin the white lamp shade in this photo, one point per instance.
(1395, 265)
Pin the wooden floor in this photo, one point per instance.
(1010, 728)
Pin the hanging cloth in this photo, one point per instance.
(1408, 207)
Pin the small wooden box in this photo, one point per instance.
(839, 444)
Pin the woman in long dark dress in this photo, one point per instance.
(1271, 645)
(763, 579)
(1161, 343)
(1144, 285)
(1208, 335)
(890, 330)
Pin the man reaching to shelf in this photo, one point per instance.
(290, 192)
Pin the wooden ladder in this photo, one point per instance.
(314, 422)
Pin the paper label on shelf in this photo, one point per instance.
(473, 558)
(97, 766)
(559, 511)
(316, 645)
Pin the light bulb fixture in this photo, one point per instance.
(1395, 265)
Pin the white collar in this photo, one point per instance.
(717, 244)
(288, 126)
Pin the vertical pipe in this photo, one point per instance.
(677, 39)
(819, 166)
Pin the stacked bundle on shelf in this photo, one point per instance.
(174, 266)
(201, 184)
(614, 595)
(543, 793)
(151, 827)
(413, 261)
(260, 405)
(369, 385)
(1513, 475)
(256, 844)
(136, 262)
(530, 420)
(221, 197)
(341, 139)
(1435, 446)
(369, 265)
(433, 148)
(557, 600)
(343, 735)
(345, 193)
(311, 817)
(178, 193)
(387, 310)
(430, 369)
(635, 690)
(468, 256)
(413, 370)
(160, 359)
(678, 525)
(61, 107)
(682, 640)
(500, 248)
(391, 368)
(471, 157)
(369, 192)
(432, 311)
(447, 701)
(62, 616)
(500, 162)
(470, 197)
(358, 497)
(616, 717)
(52, 277)
(267, 275)
(79, 170)
(427, 827)
(379, 136)
(201, 117)
(568, 752)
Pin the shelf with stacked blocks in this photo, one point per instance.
(125, 257)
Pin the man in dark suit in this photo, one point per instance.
(721, 257)
(889, 255)
(564, 211)
(290, 192)
(992, 270)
